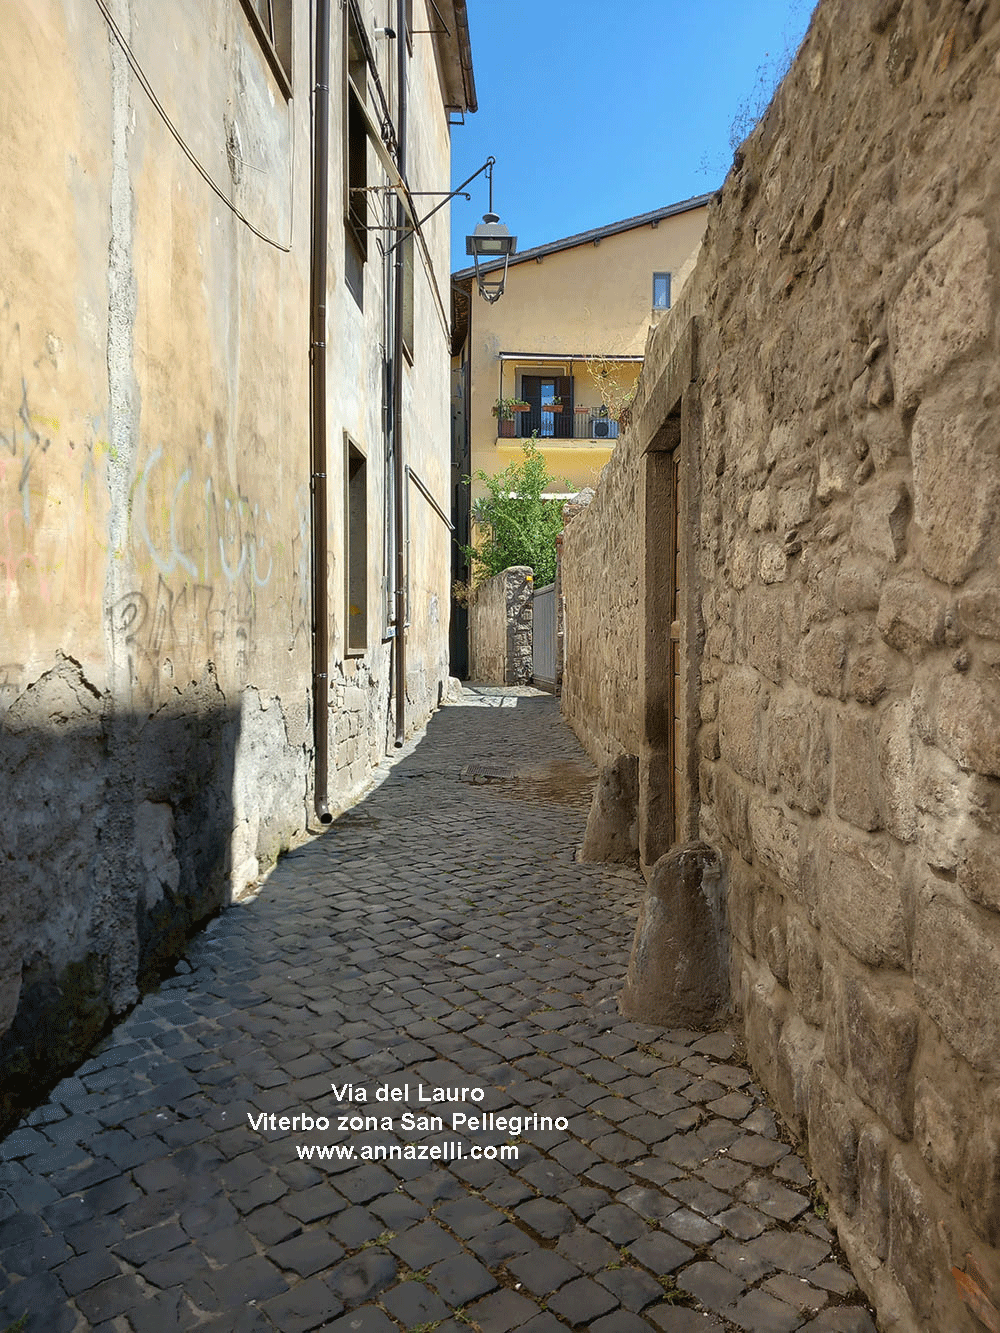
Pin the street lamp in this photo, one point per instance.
(490, 242)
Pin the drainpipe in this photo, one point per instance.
(317, 393)
(399, 639)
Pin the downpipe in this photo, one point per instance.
(399, 464)
(318, 432)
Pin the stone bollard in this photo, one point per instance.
(677, 973)
(612, 832)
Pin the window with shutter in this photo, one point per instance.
(550, 403)
(271, 20)
(355, 159)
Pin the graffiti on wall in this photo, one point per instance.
(208, 552)
(202, 555)
(230, 536)
(166, 638)
(25, 437)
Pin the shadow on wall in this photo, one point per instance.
(117, 846)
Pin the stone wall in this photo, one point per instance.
(500, 628)
(599, 574)
(840, 483)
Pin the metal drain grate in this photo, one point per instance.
(491, 772)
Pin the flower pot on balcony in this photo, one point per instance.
(507, 430)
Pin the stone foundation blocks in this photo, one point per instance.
(880, 522)
(676, 973)
(798, 1052)
(766, 1007)
(612, 832)
(968, 723)
(937, 1131)
(743, 887)
(979, 872)
(910, 616)
(873, 1188)
(943, 311)
(980, 1173)
(955, 483)
(915, 1254)
(798, 754)
(732, 810)
(956, 970)
(833, 1136)
(776, 841)
(880, 1040)
(821, 660)
(740, 705)
(859, 896)
(805, 970)
(857, 783)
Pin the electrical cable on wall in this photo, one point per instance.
(188, 152)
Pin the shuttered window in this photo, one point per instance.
(541, 393)
(271, 20)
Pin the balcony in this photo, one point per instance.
(579, 423)
(565, 400)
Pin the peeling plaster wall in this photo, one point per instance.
(118, 845)
(155, 548)
(839, 494)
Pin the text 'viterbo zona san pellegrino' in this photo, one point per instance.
(341, 1124)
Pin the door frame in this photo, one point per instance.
(670, 638)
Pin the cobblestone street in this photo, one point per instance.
(439, 940)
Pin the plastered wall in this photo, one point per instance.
(156, 546)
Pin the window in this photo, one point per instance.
(271, 20)
(407, 248)
(356, 561)
(661, 291)
(355, 160)
(550, 403)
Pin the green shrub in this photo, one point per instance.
(516, 524)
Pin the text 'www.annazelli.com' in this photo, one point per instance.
(393, 1125)
(449, 1151)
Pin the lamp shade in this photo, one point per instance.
(490, 240)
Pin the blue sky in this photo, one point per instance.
(630, 108)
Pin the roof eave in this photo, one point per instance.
(453, 50)
(597, 233)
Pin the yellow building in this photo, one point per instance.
(566, 340)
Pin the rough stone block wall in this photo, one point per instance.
(500, 628)
(847, 508)
(599, 573)
(118, 844)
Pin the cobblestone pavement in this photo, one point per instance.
(438, 940)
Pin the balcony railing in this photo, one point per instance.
(581, 423)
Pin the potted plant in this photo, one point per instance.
(554, 406)
(503, 410)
